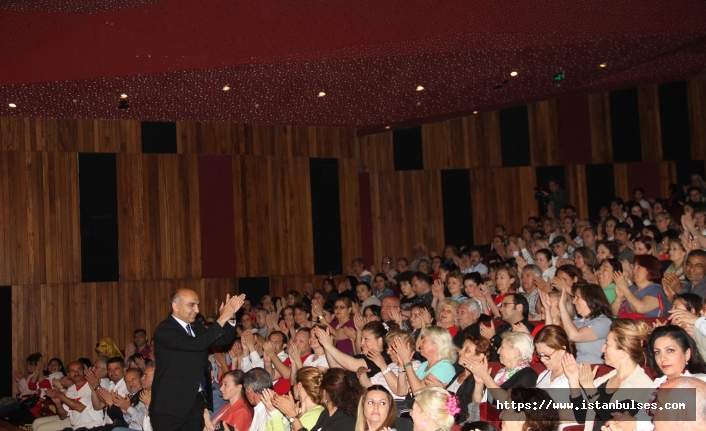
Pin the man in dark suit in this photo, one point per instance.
(182, 386)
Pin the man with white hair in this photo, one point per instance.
(467, 319)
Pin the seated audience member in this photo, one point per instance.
(54, 370)
(139, 344)
(372, 313)
(390, 308)
(609, 227)
(624, 350)
(146, 394)
(382, 290)
(566, 277)
(646, 245)
(671, 353)
(454, 284)
(588, 330)
(586, 261)
(463, 384)
(695, 272)
(623, 235)
(402, 265)
(357, 270)
(294, 298)
(645, 297)
(543, 259)
(34, 370)
(436, 346)
(107, 347)
(329, 287)
(237, 412)
(340, 392)
(218, 365)
(475, 263)
(247, 323)
(548, 307)
(372, 340)
(101, 397)
(302, 318)
(421, 317)
(467, 317)
(515, 355)
(434, 409)
(255, 382)
(666, 225)
(528, 418)
(668, 419)
(262, 328)
(252, 354)
(529, 275)
(136, 361)
(404, 281)
(387, 377)
(343, 318)
(471, 287)
(560, 249)
(513, 310)
(507, 282)
(446, 316)
(589, 238)
(677, 255)
(282, 372)
(283, 410)
(607, 250)
(421, 284)
(307, 292)
(365, 295)
(131, 413)
(424, 267)
(376, 410)
(74, 408)
(605, 277)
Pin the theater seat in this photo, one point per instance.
(573, 428)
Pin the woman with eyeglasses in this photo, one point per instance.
(592, 323)
(646, 297)
(376, 410)
(381, 288)
(343, 318)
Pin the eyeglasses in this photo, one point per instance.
(505, 304)
(542, 357)
(340, 307)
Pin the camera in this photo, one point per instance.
(539, 193)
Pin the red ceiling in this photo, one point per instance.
(72, 58)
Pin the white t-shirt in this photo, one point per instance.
(318, 362)
(379, 379)
(88, 418)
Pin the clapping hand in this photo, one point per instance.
(396, 316)
(437, 289)
(377, 359)
(230, 307)
(146, 397)
(431, 380)
(268, 397)
(621, 282)
(91, 377)
(571, 369)
(294, 352)
(286, 405)
(358, 321)
(236, 351)
(587, 375)
(123, 402)
(404, 354)
(105, 396)
(487, 332)
(350, 333)
(542, 284)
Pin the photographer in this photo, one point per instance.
(556, 197)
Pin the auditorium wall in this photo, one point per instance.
(101, 220)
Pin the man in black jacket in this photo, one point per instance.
(182, 385)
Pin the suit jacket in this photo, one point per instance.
(181, 364)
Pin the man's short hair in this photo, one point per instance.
(692, 188)
(405, 277)
(592, 229)
(280, 333)
(139, 371)
(472, 305)
(359, 261)
(448, 267)
(116, 360)
(697, 253)
(521, 300)
(257, 379)
(622, 226)
(534, 268)
(423, 278)
(140, 331)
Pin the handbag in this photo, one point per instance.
(29, 402)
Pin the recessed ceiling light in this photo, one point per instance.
(321, 94)
(387, 127)
(123, 96)
(513, 73)
(603, 65)
(475, 112)
(419, 88)
(12, 105)
(226, 87)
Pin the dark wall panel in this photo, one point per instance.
(544, 174)
(6, 343)
(217, 216)
(159, 137)
(366, 217)
(674, 121)
(326, 216)
(456, 202)
(575, 130)
(600, 187)
(686, 167)
(407, 149)
(625, 125)
(98, 191)
(254, 288)
(514, 136)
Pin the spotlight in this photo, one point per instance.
(321, 94)
(226, 87)
(475, 112)
(12, 105)
(387, 127)
(123, 105)
(603, 65)
(419, 88)
(124, 96)
(513, 73)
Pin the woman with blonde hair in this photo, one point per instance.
(436, 345)
(446, 315)
(306, 392)
(625, 351)
(376, 410)
(646, 245)
(434, 409)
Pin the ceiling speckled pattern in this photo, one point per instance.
(71, 59)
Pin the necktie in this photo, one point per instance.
(203, 380)
(188, 331)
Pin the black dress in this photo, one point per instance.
(340, 421)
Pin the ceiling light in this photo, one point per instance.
(387, 127)
(123, 96)
(475, 112)
(321, 94)
(419, 88)
(226, 87)
(513, 73)
(603, 65)
(12, 105)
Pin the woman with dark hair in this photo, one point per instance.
(330, 288)
(462, 385)
(340, 392)
(566, 277)
(652, 232)
(376, 410)
(422, 315)
(690, 302)
(617, 208)
(527, 417)
(592, 323)
(646, 245)
(365, 295)
(605, 277)
(607, 250)
(302, 316)
(671, 353)
(343, 318)
(237, 412)
(54, 370)
(543, 259)
(635, 223)
(645, 298)
(372, 313)
(294, 298)
(677, 255)
(608, 228)
(381, 289)
(586, 261)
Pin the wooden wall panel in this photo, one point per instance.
(601, 138)
(622, 181)
(650, 130)
(697, 116)
(375, 153)
(576, 188)
(350, 210)
(406, 209)
(158, 217)
(511, 191)
(545, 142)
(667, 176)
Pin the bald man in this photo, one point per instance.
(182, 384)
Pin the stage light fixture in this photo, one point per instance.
(419, 88)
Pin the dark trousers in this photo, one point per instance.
(192, 421)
